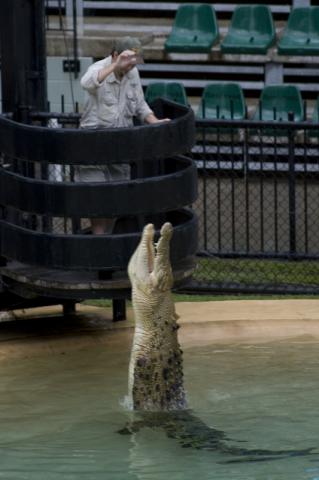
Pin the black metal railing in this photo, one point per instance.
(46, 208)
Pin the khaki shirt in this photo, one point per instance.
(112, 103)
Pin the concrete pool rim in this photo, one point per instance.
(42, 331)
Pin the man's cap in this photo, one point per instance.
(129, 43)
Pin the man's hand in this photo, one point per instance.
(125, 62)
(151, 119)
(162, 120)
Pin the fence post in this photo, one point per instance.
(204, 178)
(73, 6)
(291, 188)
(119, 309)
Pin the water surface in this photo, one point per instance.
(60, 415)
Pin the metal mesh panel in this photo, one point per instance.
(257, 207)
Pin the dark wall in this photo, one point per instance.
(23, 61)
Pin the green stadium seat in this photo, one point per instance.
(223, 101)
(301, 36)
(315, 115)
(315, 119)
(275, 104)
(172, 90)
(277, 101)
(195, 29)
(251, 30)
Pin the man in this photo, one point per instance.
(115, 97)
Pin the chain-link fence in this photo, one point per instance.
(258, 206)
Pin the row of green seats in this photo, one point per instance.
(251, 31)
(227, 101)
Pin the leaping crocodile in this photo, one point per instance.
(156, 370)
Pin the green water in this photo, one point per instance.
(60, 415)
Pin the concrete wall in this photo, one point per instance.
(62, 83)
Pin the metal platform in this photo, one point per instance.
(31, 282)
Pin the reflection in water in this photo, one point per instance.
(191, 432)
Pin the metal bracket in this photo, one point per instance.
(71, 65)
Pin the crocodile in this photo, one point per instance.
(156, 388)
(155, 370)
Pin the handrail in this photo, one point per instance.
(95, 146)
(65, 199)
(90, 252)
(256, 124)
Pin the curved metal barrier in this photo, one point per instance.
(88, 252)
(63, 199)
(114, 145)
(42, 212)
